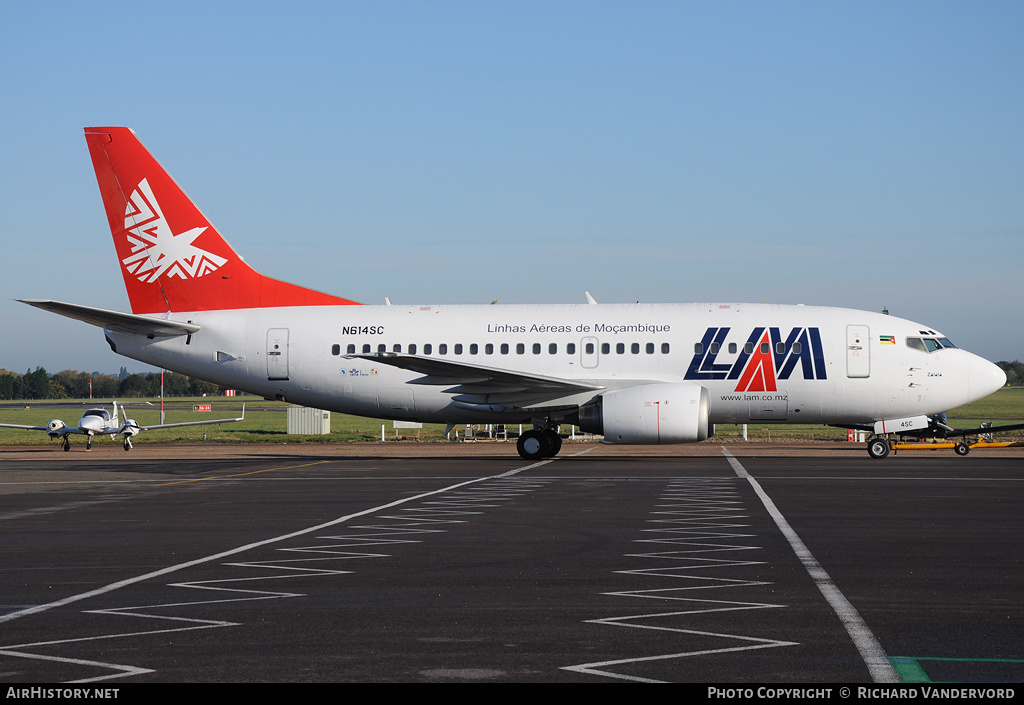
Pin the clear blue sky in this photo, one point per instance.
(866, 154)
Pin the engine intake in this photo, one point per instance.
(670, 412)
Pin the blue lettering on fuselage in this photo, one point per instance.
(802, 346)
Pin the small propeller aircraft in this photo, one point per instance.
(100, 422)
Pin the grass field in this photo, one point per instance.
(266, 422)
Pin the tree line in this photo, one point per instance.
(72, 384)
(1014, 372)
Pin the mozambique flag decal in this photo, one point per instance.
(887, 339)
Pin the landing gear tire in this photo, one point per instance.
(531, 445)
(878, 448)
(554, 441)
(539, 443)
(67, 444)
(127, 444)
(962, 449)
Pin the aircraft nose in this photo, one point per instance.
(985, 378)
(90, 424)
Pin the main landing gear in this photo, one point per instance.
(539, 443)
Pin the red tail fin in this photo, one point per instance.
(171, 257)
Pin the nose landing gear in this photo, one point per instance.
(878, 447)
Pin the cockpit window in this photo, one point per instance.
(929, 344)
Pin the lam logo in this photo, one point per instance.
(156, 251)
(765, 358)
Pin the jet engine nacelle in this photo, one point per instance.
(670, 412)
(55, 428)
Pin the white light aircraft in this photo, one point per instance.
(100, 422)
(634, 373)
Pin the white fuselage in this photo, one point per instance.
(821, 365)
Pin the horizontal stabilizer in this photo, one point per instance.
(115, 320)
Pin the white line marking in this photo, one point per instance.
(687, 494)
(277, 539)
(122, 670)
(870, 650)
(598, 668)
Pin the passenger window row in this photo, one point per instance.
(748, 348)
(503, 349)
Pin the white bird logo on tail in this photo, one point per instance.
(157, 251)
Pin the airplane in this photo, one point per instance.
(633, 373)
(100, 422)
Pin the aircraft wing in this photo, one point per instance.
(27, 428)
(63, 430)
(127, 322)
(207, 422)
(474, 385)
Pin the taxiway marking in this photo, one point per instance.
(870, 650)
(241, 549)
(241, 474)
(699, 510)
